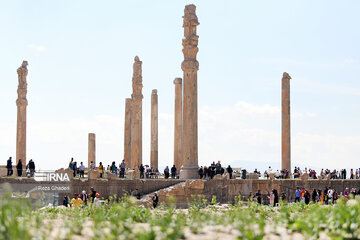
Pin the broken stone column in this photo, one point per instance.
(190, 66)
(136, 115)
(127, 133)
(285, 138)
(91, 149)
(178, 124)
(154, 130)
(21, 104)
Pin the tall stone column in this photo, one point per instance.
(21, 103)
(154, 130)
(127, 133)
(136, 115)
(91, 149)
(178, 124)
(190, 66)
(285, 138)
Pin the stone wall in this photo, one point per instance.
(225, 190)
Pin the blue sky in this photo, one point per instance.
(81, 53)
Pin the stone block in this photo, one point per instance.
(130, 174)
(93, 174)
(68, 171)
(272, 176)
(111, 176)
(221, 177)
(252, 176)
(305, 176)
(177, 190)
(197, 184)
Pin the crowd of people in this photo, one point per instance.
(212, 170)
(29, 169)
(205, 172)
(327, 196)
(83, 199)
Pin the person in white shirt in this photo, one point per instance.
(81, 169)
(92, 165)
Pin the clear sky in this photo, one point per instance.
(80, 56)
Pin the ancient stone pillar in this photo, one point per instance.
(136, 115)
(178, 124)
(154, 130)
(190, 66)
(21, 103)
(127, 133)
(91, 149)
(285, 138)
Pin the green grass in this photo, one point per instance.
(127, 220)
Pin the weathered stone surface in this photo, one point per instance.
(21, 104)
(154, 130)
(91, 149)
(305, 176)
(195, 184)
(93, 174)
(111, 176)
(190, 67)
(131, 174)
(127, 133)
(285, 112)
(67, 170)
(178, 124)
(252, 176)
(136, 115)
(221, 177)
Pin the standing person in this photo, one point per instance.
(330, 194)
(92, 194)
(230, 171)
(31, 167)
(302, 194)
(276, 197)
(71, 164)
(92, 165)
(307, 197)
(166, 172)
(218, 168)
(201, 172)
(84, 197)
(142, 169)
(76, 201)
(19, 168)
(351, 174)
(297, 194)
(113, 168)
(173, 171)
(271, 197)
(314, 195)
(205, 172)
(155, 200)
(81, 170)
(66, 201)
(9, 167)
(258, 197)
(75, 168)
(122, 169)
(101, 169)
(346, 193)
(213, 170)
